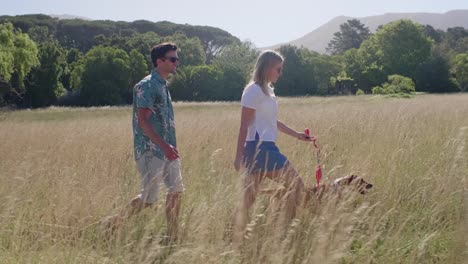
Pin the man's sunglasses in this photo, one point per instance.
(172, 59)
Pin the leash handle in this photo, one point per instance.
(318, 169)
(314, 142)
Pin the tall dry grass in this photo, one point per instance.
(62, 170)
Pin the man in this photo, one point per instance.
(155, 149)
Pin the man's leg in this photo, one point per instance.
(135, 206)
(173, 204)
(175, 186)
(150, 169)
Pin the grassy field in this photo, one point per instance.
(62, 170)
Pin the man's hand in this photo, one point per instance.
(170, 152)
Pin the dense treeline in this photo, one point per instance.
(46, 61)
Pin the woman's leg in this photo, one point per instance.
(292, 196)
(241, 217)
(294, 186)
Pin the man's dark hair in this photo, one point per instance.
(160, 51)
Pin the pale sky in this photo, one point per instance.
(263, 22)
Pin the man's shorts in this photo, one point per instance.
(154, 170)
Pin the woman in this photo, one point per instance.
(256, 148)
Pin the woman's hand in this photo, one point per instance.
(237, 164)
(305, 137)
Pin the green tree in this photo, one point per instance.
(18, 54)
(351, 35)
(306, 72)
(206, 83)
(197, 83)
(342, 85)
(105, 78)
(400, 47)
(138, 70)
(324, 68)
(434, 75)
(72, 57)
(143, 43)
(44, 86)
(180, 85)
(453, 42)
(26, 22)
(432, 33)
(460, 70)
(455, 34)
(297, 78)
(214, 40)
(138, 41)
(80, 34)
(403, 47)
(236, 62)
(396, 84)
(461, 45)
(115, 40)
(7, 49)
(76, 75)
(364, 66)
(39, 34)
(191, 51)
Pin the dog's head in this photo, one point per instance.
(354, 181)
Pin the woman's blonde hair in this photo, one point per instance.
(265, 61)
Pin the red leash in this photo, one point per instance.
(318, 169)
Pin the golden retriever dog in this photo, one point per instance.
(315, 194)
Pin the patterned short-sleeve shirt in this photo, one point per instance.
(152, 93)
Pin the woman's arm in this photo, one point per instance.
(282, 127)
(287, 130)
(247, 117)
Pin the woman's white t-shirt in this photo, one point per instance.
(266, 113)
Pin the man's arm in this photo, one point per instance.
(143, 122)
